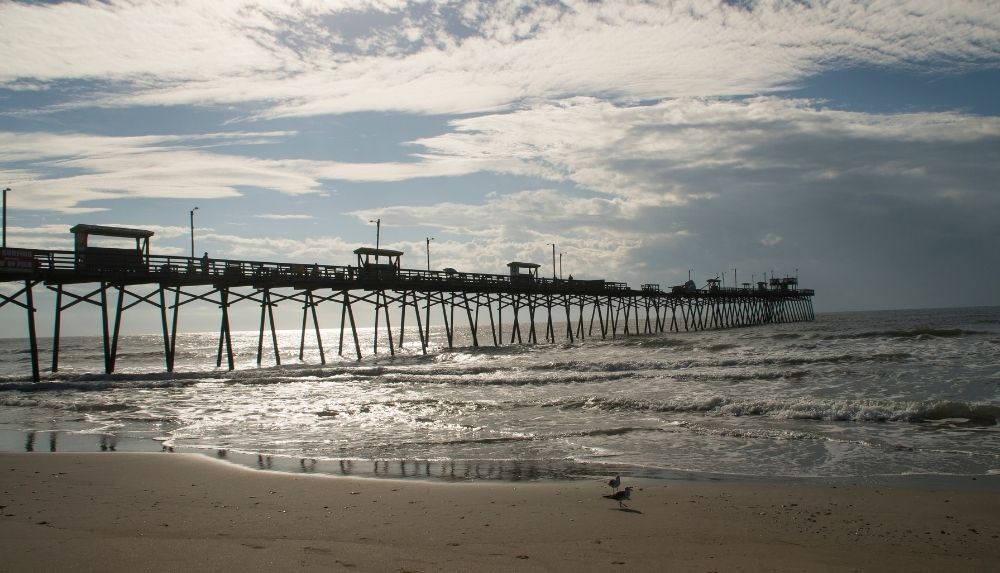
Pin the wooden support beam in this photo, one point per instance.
(29, 303)
(56, 328)
(225, 336)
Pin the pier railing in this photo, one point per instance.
(70, 267)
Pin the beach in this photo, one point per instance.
(187, 512)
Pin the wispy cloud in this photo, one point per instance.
(284, 217)
(770, 239)
(69, 173)
(458, 57)
(687, 149)
(322, 249)
(646, 156)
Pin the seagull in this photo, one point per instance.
(621, 496)
(615, 483)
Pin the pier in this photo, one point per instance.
(117, 280)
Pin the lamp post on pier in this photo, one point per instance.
(192, 231)
(429, 239)
(560, 266)
(378, 233)
(553, 260)
(5, 190)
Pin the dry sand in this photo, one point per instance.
(176, 512)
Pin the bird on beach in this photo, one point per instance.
(615, 483)
(621, 496)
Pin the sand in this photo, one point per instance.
(179, 512)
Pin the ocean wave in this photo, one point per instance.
(512, 378)
(648, 341)
(584, 366)
(820, 359)
(785, 336)
(727, 362)
(773, 367)
(718, 347)
(88, 385)
(752, 433)
(529, 437)
(22, 402)
(741, 376)
(454, 377)
(99, 407)
(422, 404)
(980, 414)
(910, 333)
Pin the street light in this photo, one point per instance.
(429, 239)
(192, 231)
(553, 260)
(5, 190)
(378, 232)
(560, 266)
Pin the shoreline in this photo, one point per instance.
(40, 442)
(131, 511)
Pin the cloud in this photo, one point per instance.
(53, 236)
(70, 173)
(313, 58)
(635, 157)
(770, 239)
(321, 249)
(285, 217)
(683, 150)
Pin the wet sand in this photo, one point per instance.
(177, 512)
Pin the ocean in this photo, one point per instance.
(851, 395)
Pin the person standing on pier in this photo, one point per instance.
(204, 263)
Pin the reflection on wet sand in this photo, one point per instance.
(109, 443)
(449, 470)
(29, 441)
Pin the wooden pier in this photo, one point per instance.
(587, 308)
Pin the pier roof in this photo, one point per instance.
(104, 231)
(378, 252)
(518, 265)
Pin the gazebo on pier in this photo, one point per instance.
(516, 276)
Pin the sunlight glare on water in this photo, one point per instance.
(851, 394)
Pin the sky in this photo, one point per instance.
(855, 144)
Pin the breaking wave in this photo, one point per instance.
(906, 333)
(839, 411)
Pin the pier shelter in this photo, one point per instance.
(516, 276)
(376, 269)
(108, 259)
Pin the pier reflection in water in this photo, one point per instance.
(448, 470)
